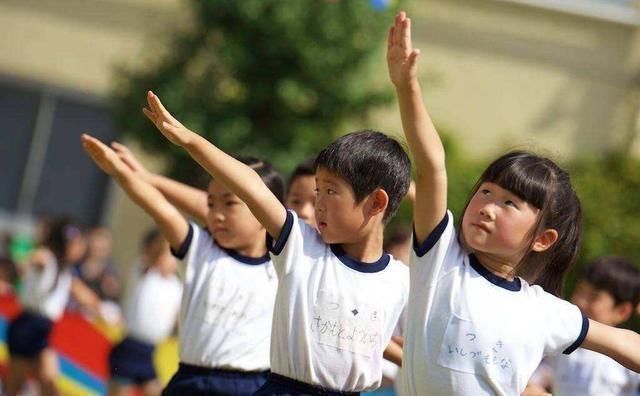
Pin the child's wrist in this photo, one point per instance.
(409, 86)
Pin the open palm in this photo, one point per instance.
(401, 56)
(171, 128)
(102, 155)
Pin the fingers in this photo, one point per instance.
(92, 145)
(173, 130)
(120, 148)
(406, 34)
(414, 56)
(159, 110)
(150, 115)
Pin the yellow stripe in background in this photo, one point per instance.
(165, 359)
(68, 387)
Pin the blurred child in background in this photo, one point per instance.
(46, 287)
(608, 291)
(151, 311)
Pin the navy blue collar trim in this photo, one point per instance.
(245, 259)
(359, 266)
(513, 285)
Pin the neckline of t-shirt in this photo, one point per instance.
(245, 259)
(358, 265)
(511, 285)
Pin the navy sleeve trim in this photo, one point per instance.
(434, 236)
(276, 247)
(184, 247)
(583, 334)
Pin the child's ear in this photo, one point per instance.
(544, 240)
(378, 201)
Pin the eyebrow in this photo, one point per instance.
(225, 195)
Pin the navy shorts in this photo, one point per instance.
(131, 361)
(28, 334)
(203, 381)
(279, 385)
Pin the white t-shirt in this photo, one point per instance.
(588, 373)
(227, 305)
(472, 332)
(334, 315)
(39, 293)
(152, 306)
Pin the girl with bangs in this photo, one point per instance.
(484, 306)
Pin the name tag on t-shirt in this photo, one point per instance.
(465, 348)
(347, 324)
(225, 305)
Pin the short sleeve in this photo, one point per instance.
(194, 249)
(565, 326)
(430, 257)
(401, 326)
(296, 241)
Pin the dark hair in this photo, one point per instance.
(617, 276)
(62, 230)
(398, 236)
(269, 175)
(150, 237)
(368, 160)
(546, 186)
(303, 169)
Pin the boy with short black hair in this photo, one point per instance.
(608, 291)
(340, 298)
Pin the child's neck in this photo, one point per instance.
(499, 266)
(254, 250)
(367, 249)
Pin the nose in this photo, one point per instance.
(319, 204)
(488, 211)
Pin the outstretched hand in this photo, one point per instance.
(401, 56)
(171, 128)
(102, 155)
(130, 160)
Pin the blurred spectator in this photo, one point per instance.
(98, 270)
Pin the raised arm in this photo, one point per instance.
(422, 137)
(190, 200)
(173, 225)
(621, 345)
(236, 176)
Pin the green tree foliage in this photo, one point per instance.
(272, 78)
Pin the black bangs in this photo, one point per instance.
(528, 176)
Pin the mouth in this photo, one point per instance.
(321, 225)
(481, 226)
(219, 230)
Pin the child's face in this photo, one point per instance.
(598, 305)
(230, 221)
(340, 219)
(499, 223)
(302, 198)
(76, 249)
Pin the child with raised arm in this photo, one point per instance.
(476, 325)
(229, 287)
(339, 296)
(300, 194)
